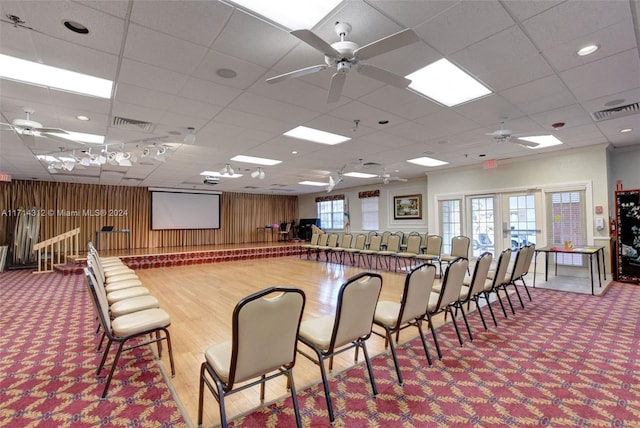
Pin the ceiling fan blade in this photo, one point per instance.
(387, 44)
(335, 90)
(315, 42)
(51, 131)
(297, 73)
(383, 75)
(67, 142)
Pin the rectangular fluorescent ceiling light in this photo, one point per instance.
(257, 161)
(359, 175)
(292, 14)
(542, 141)
(81, 137)
(316, 136)
(426, 161)
(217, 174)
(447, 84)
(56, 78)
(313, 183)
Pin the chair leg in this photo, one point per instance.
(389, 339)
(466, 322)
(477, 300)
(433, 334)
(455, 325)
(104, 357)
(518, 294)
(486, 296)
(369, 367)
(506, 292)
(201, 393)
(113, 369)
(262, 388)
(294, 398)
(325, 384)
(424, 342)
(526, 289)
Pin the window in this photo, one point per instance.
(482, 234)
(450, 223)
(370, 213)
(567, 219)
(331, 214)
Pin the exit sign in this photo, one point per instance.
(4, 177)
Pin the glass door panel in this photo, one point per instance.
(482, 225)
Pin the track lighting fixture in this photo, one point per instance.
(190, 138)
(227, 170)
(258, 173)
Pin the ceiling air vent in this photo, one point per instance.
(123, 122)
(616, 112)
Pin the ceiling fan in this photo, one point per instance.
(31, 128)
(503, 135)
(387, 178)
(345, 55)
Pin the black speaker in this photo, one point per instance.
(304, 228)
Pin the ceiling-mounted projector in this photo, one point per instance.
(211, 180)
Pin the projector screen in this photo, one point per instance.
(174, 210)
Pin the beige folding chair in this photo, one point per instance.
(449, 297)
(410, 311)
(153, 323)
(284, 233)
(264, 340)
(474, 287)
(374, 246)
(459, 248)
(411, 251)
(432, 250)
(322, 242)
(349, 328)
(359, 243)
(391, 251)
(332, 243)
(495, 280)
(312, 244)
(344, 244)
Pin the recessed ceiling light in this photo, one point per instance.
(292, 14)
(76, 27)
(446, 83)
(226, 73)
(587, 50)
(427, 161)
(541, 140)
(312, 183)
(359, 175)
(255, 160)
(83, 118)
(625, 130)
(56, 78)
(294, 152)
(316, 136)
(383, 122)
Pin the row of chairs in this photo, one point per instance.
(272, 319)
(126, 311)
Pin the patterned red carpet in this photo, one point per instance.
(48, 360)
(566, 360)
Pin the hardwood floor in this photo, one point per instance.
(201, 299)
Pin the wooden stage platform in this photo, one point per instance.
(148, 258)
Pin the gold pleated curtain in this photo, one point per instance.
(65, 206)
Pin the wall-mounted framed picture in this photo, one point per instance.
(407, 207)
(628, 217)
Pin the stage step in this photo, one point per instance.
(71, 268)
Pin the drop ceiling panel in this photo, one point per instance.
(573, 115)
(610, 75)
(489, 110)
(252, 103)
(137, 73)
(504, 60)
(464, 24)
(132, 111)
(539, 95)
(137, 95)
(200, 23)
(404, 103)
(410, 14)
(176, 54)
(209, 92)
(247, 73)
(289, 91)
(523, 10)
(561, 24)
(445, 123)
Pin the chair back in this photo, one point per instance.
(99, 297)
(322, 239)
(401, 235)
(527, 263)
(345, 242)
(501, 269)
(434, 245)
(360, 241)
(517, 270)
(393, 244)
(332, 241)
(460, 246)
(357, 300)
(417, 290)
(375, 243)
(385, 237)
(265, 332)
(370, 235)
(452, 282)
(480, 272)
(413, 244)
(314, 239)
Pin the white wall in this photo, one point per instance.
(307, 205)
